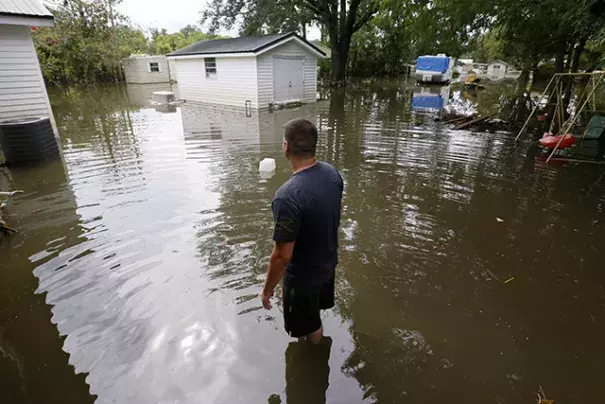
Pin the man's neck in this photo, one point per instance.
(299, 165)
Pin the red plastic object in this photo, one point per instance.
(541, 118)
(552, 141)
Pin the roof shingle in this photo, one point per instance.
(243, 44)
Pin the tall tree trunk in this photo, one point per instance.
(568, 58)
(520, 108)
(339, 66)
(552, 101)
(575, 63)
(341, 23)
(560, 60)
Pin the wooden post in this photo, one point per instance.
(536, 107)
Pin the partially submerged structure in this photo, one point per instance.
(564, 122)
(22, 89)
(434, 69)
(497, 69)
(248, 72)
(147, 69)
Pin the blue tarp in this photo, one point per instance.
(433, 63)
(427, 102)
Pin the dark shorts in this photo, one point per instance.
(302, 305)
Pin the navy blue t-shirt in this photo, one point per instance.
(306, 210)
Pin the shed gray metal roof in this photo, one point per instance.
(243, 44)
(24, 8)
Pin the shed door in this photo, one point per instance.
(287, 78)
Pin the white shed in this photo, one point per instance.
(146, 69)
(22, 88)
(254, 72)
(497, 68)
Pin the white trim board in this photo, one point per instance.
(296, 39)
(213, 55)
(27, 21)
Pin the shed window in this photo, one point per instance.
(210, 64)
(154, 67)
(496, 67)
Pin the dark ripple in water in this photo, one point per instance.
(151, 250)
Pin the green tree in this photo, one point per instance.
(86, 43)
(162, 42)
(258, 17)
(340, 19)
(382, 47)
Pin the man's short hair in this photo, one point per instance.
(301, 136)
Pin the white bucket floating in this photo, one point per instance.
(267, 165)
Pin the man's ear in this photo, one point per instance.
(286, 146)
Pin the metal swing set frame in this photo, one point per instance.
(556, 86)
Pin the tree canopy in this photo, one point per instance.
(89, 39)
(366, 37)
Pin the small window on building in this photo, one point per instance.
(154, 67)
(496, 67)
(210, 64)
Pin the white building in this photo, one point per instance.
(464, 65)
(22, 89)
(497, 68)
(252, 72)
(146, 69)
(479, 68)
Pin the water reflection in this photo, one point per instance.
(151, 251)
(141, 94)
(33, 367)
(430, 98)
(307, 372)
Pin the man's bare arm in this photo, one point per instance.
(280, 257)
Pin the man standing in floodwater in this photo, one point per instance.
(306, 213)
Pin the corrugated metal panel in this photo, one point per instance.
(265, 72)
(136, 70)
(24, 8)
(234, 84)
(22, 90)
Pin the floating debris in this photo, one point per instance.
(512, 278)
(477, 122)
(542, 397)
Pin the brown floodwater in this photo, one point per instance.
(470, 272)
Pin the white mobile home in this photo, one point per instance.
(253, 72)
(497, 68)
(146, 69)
(22, 90)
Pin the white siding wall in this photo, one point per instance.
(22, 89)
(235, 81)
(265, 72)
(172, 68)
(496, 71)
(136, 70)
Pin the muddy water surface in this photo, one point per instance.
(135, 274)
